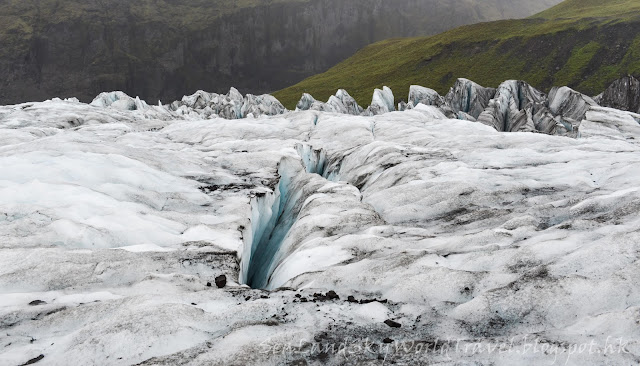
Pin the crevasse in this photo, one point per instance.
(316, 161)
(272, 218)
(273, 214)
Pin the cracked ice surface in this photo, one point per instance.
(117, 218)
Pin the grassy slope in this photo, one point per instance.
(584, 44)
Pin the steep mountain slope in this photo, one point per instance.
(166, 48)
(584, 44)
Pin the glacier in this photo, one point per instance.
(453, 224)
(514, 106)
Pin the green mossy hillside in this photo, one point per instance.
(583, 44)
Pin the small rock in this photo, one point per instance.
(33, 360)
(221, 281)
(331, 295)
(387, 340)
(392, 324)
(369, 301)
(37, 302)
(352, 299)
(208, 284)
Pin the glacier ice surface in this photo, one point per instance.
(115, 220)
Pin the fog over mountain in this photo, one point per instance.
(163, 49)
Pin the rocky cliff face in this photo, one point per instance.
(162, 50)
